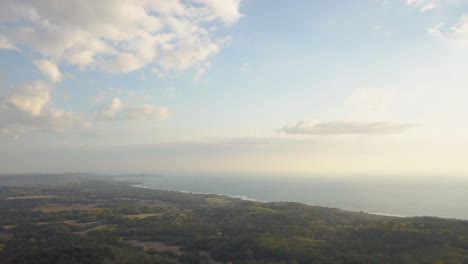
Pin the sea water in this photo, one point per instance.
(431, 196)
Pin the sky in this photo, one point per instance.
(320, 87)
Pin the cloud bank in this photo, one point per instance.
(346, 128)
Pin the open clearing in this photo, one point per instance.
(31, 197)
(141, 216)
(97, 228)
(47, 208)
(156, 245)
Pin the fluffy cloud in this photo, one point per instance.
(28, 109)
(227, 10)
(30, 99)
(117, 111)
(346, 128)
(49, 69)
(118, 36)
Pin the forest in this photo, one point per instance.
(88, 219)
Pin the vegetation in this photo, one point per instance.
(111, 222)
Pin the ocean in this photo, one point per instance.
(431, 196)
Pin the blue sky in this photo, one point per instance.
(307, 87)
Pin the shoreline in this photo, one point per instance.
(246, 198)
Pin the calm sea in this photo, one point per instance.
(436, 196)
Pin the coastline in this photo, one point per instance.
(246, 198)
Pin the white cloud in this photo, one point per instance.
(49, 69)
(158, 73)
(117, 111)
(119, 36)
(456, 34)
(112, 109)
(31, 99)
(428, 6)
(422, 5)
(346, 128)
(61, 119)
(201, 71)
(227, 10)
(460, 31)
(6, 44)
(29, 109)
(145, 112)
(435, 31)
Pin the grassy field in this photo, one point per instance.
(32, 197)
(141, 216)
(56, 207)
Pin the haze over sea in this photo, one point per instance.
(437, 196)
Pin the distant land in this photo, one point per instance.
(140, 175)
(78, 218)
